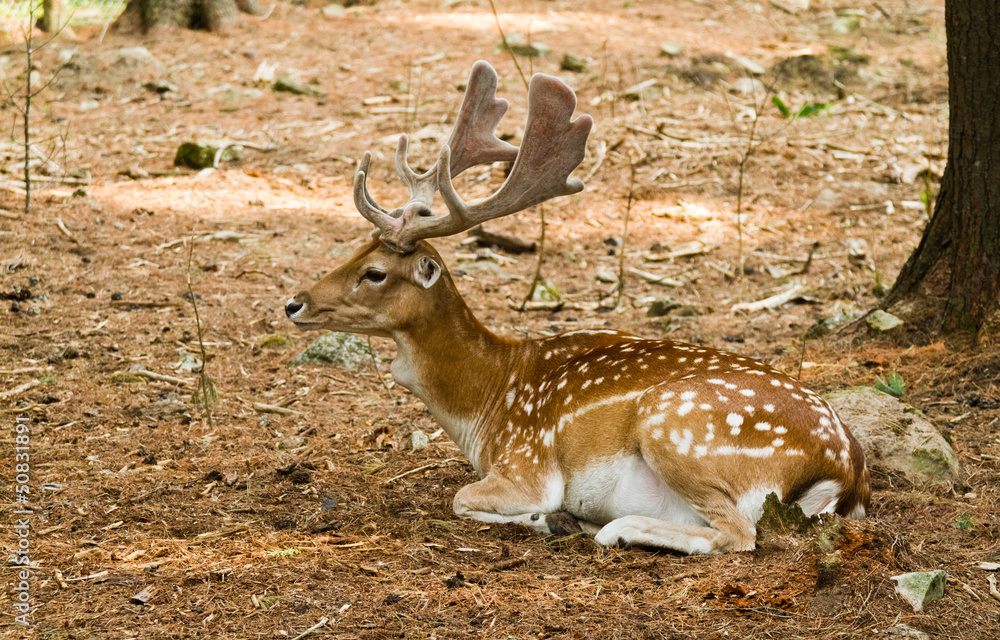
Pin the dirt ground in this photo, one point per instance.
(263, 525)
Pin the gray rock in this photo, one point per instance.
(334, 11)
(418, 440)
(671, 48)
(904, 631)
(881, 321)
(749, 87)
(519, 46)
(749, 65)
(894, 435)
(202, 155)
(920, 587)
(288, 85)
(342, 349)
(573, 63)
(662, 307)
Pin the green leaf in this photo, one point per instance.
(782, 107)
(814, 109)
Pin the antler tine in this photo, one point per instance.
(553, 146)
(474, 139)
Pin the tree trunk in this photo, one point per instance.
(951, 283)
(214, 15)
(54, 16)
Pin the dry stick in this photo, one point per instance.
(378, 373)
(743, 163)
(204, 382)
(506, 44)
(318, 624)
(541, 259)
(621, 260)
(541, 208)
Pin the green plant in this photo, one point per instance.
(965, 522)
(894, 385)
(805, 111)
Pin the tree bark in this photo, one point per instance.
(214, 15)
(951, 282)
(53, 16)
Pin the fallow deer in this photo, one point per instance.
(634, 440)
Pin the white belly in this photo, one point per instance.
(622, 486)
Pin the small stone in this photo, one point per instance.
(202, 155)
(573, 63)
(292, 442)
(606, 276)
(749, 87)
(749, 66)
(418, 440)
(329, 503)
(920, 587)
(334, 11)
(671, 48)
(341, 349)
(846, 24)
(287, 85)
(882, 321)
(905, 631)
(263, 421)
(662, 307)
(88, 105)
(517, 44)
(117, 295)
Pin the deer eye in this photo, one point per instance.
(374, 275)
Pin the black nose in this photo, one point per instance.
(292, 307)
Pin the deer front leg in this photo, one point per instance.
(497, 498)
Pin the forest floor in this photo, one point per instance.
(261, 525)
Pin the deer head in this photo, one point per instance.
(372, 292)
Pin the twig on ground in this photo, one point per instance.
(432, 465)
(311, 629)
(19, 389)
(260, 407)
(69, 234)
(621, 260)
(159, 377)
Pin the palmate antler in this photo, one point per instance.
(551, 149)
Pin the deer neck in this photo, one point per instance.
(458, 368)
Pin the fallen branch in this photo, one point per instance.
(222, 533)
(12, 372)
(423, 468)
(993, 587)
(315, 626)
(62, 227)
(655, 279)
(774, 301)
(159, 377)
(144, 305)
(510, 563)
(18, 390)
(260, 407)
(486, 238)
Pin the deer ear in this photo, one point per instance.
(427, 271)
